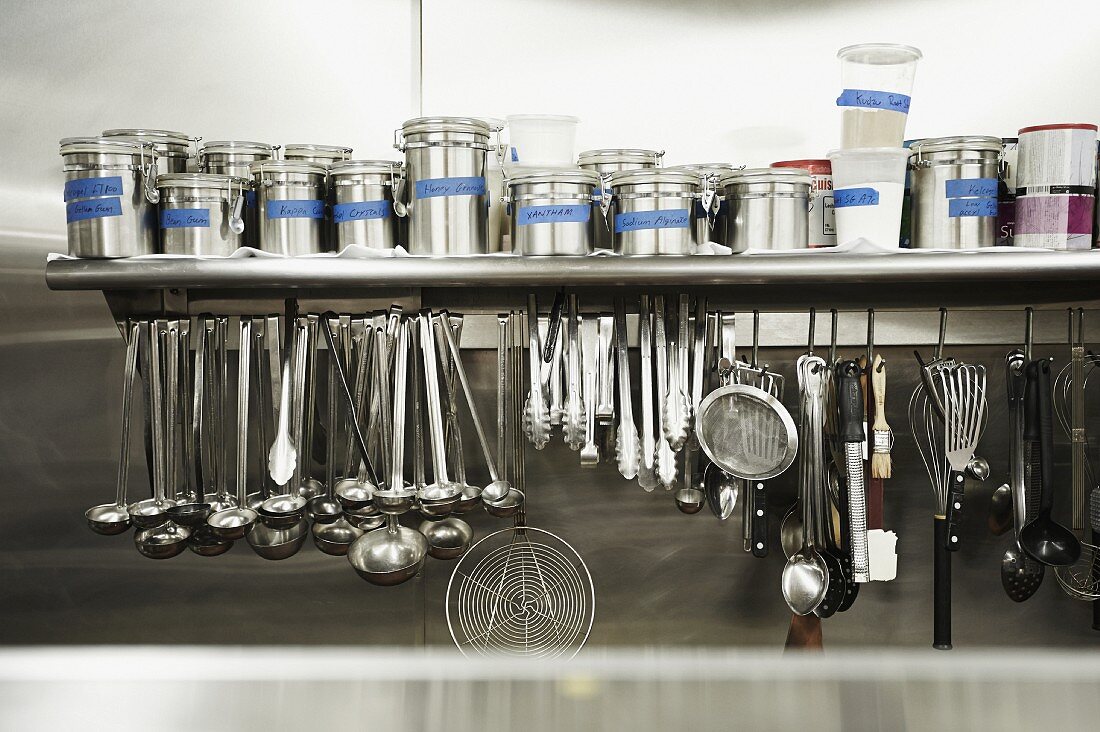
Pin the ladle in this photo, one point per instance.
(233, 523)
(1020, 574)
(192, 513)
(150, 513)
(114, 518)
(310, 487)
(276, 544)
(286, 508)
(349, 473)
(438, 499)
(326, 509)
(471, 494)
(358, 495)
(499, 497)
(1044, 539)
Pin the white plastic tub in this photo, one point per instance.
(868, 186)
(542, 141)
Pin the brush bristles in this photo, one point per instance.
(882, 466)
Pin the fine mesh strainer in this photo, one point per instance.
(747, 432)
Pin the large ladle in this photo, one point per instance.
(233, 523)
(193, 512)
(114, 518)
(285, 509)
(1044, 539)
(358, 495)
(150, 513)
(471, 494)
(437, 499)
(310, 487)
(363, 362)
(202, 540)
(499, 497)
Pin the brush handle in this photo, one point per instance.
(941, 588)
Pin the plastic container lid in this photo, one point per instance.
(287, 166)
(201, 180)
(101, 145)
(236, 146)
(364, 167)
(620, 155)
(651, 176)
(973, 143)
(880, 54)
(1066, 126)
(790, 176)
(582, 177)
(471, 125)
(812, 166)
(542, 117)
(858, 165)
(169, 136)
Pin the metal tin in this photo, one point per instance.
(324, 154)
(1055, 186)
(202, 213)
(174, 149)
(954, 188)
(551, 212)
(615, 160)
(715, 232)
(110, 197)
(768, 208)
(361, 192)
(290, 198)
(655, 211)
(446, 196)
(822, 222)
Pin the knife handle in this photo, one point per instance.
(956, 482)
(759, 518)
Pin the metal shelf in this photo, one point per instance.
(906, 279)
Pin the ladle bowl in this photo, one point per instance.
(389, 557)
(367, 519)
(311, 488)
(162, 542)
(1050, 542)
(108, 519)
(496, 491)
(191, 515)
(282, 512)
(690, 500)
(394, 502)
(506, 507)
(323, 509)
(438, 500)
(205, 543)
(471, 496)
(232, 523)
(149, 513)
(335, 537)
(354, 495)
(448, 538)
(276, 544)
(978, 468)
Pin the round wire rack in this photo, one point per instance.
(521, 591)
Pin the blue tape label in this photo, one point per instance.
(250, 198)
(845, 197)
(677, 218)
(971, 187)
(870, 99)
(967, 207)
(307, 209)
(571, 214)
(89, 187)
(184, 218)
(436, 187)
(360, 211)
(97, 208)
(515, 155)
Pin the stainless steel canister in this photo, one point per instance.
(655, 211)
(232, 157)
(954, 192)
(110, 197)
(361, 192)
(290, 197)
(446, 197)
(175, 150)
(324, 154)
(551, 211)
(202, 213)
(769, 208)
(715, 232)
(614, 160)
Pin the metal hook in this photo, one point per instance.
(832, 338)
(1081, 327)
(810, 337)
(943, 333)
(1029, 331)
(871, 337)
(755, 336)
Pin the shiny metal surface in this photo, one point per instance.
(367, 189)
(674, 194)
(766, 211)
(932, 163)
(218, 196)
(562, 193)
(302, 186)
(606, 162)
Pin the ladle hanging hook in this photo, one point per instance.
(1029, 331)
(832, 334)
(943, 334)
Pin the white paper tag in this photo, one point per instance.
(882, 555)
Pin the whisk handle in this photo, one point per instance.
(941, 588)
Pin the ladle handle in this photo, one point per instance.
(941, 586)
(244, 363)
(452, 344)
(348, 399)
(1046, 438)
(435, 406)
(400, 372)
(127, 400)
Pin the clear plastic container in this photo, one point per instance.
(868, 187)
(877, 81)
(541, 141)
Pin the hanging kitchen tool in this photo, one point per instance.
(850, 433)
(590, 356)
(647, 469)
(720, 487)
(537, 416)
(627, 449)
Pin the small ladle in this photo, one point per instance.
(276, 544)
(150, 512)
(500, 498)
(110, 519)
(438, 499)
(203, 541)
(310, 487)
(234, 523)
(190, 514)
(1043, 538)
(471, 494)
(357, 495)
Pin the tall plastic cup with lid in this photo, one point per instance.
(877, 85)
(868, 186)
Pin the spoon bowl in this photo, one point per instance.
(108, 519)
(205, 543)
(790, 532)
(1020, 574)
(162, 542)
(448, 538)
(335, 537)
(1000, 510)
(721, 491)
(805, 579)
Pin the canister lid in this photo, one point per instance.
(364, 167)
(287, 166)
(101, 145)
(162, 136)
(338, 152)
(718, 169)
(620, 156)
(470, 125)
(1065, 126)
(201, 180)
(556, 175)
(962, 143)
(790, 176)
(651, 176)
(812, 166)
(237, 146)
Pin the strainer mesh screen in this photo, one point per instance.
(745, 434)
